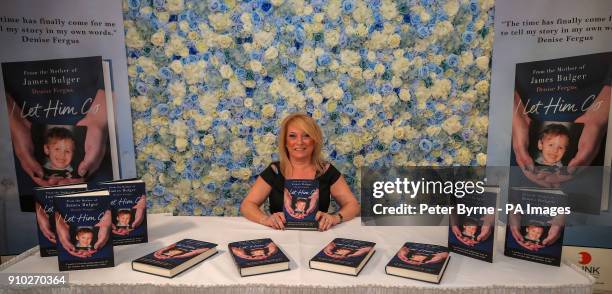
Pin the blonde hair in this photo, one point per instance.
(308, 125)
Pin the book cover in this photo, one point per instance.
(421, 261)
(45, 215)
(129, 211)
(83, 230)
(536, 225)
(347, 252)
(473, 235)
(58, 118)
(172, 260)
(258, 253)
(560, 121)
(301, 203)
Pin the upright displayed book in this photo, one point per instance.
(536, 225)
(83, 230)
(557, 104)
(474, 235)
(129, 211)
(260, 256)
(55, 107)
(343, 256)
(423, 262)
(301, 203)
(45, 215)
(176, 258)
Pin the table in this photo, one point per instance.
(219, 275)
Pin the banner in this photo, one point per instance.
(64, 102)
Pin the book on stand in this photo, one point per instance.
(45, 215)
(473, 234)
(83, 230)
(129, 211)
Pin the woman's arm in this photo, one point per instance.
(251, 203)
(349, 207)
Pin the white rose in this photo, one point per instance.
(451, 7)
(176, 66)
(141, 103)
(482, 87)
(226, 71)
(220, 21)
(175, 5)
(133, 39)
(263, 39)
(268, 110)
(181, 144)
(333, 9)
(271, 53)
(255, 65)
(177, 91)
(147, 65)
(388, 10)
(307, 60)
(332, 37)
(404, 94)
(159, 38)
(452, 125)
(277, 3)
(482, 62)
(441, 88)
(464, 156)
(481, 159)
(385, 135)
(349, 57)
(194, 72)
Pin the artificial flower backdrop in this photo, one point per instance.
(390, 82)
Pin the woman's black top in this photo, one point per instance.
(274, 178)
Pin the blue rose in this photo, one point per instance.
(348, 6)
(425, 145)
(467, 37)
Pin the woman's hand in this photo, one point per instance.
(275, 220)
(326, 220)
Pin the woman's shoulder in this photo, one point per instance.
(330, 172)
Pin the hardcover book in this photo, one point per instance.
(83, 225)
(344, 256)
(301, 203)
(61, 121)
(558, 104)
(176, 258)
(423, 262)
(129, 211)
(45, 215)
(536, 225)
(260, 256)
(473, 235)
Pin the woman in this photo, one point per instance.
(299, 148)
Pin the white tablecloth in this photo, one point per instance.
(219, 275)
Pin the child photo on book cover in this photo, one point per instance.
(536, 234)
(420, 257)
(59, 149)
(127, 220)
(84, 241)
(255, 253)
(338, 251)
(299, 207)
(473, 231)
(174, 252)
(553, 144)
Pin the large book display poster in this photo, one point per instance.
(560, 122)
(58, 117)
(43, 43)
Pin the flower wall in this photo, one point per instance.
(390, 82)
